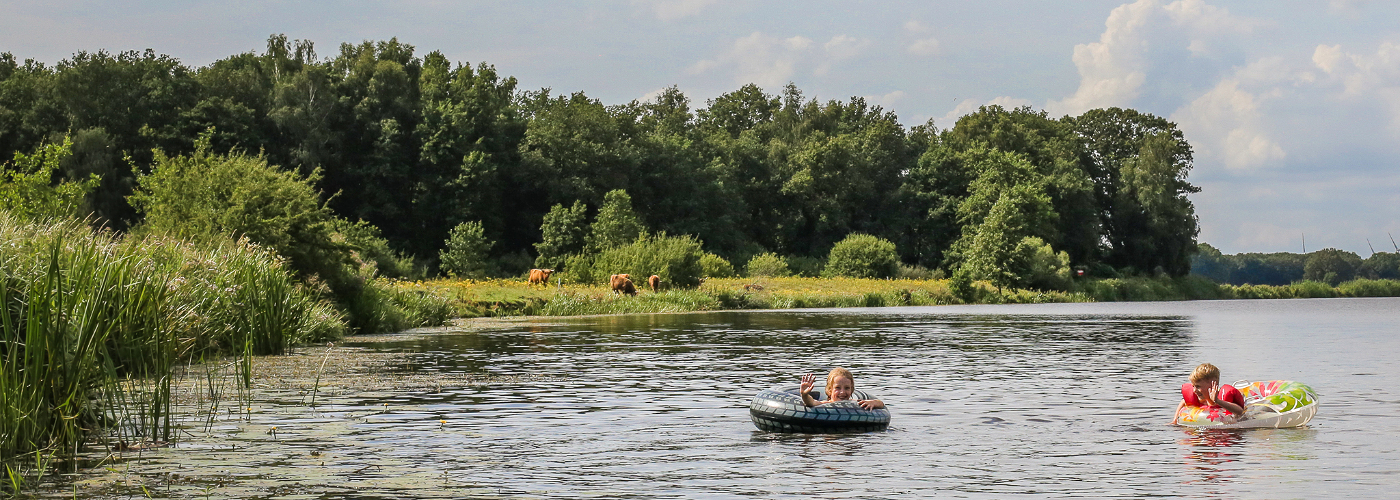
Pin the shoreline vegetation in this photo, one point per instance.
(514, 297)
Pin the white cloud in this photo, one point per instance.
(651, 96)
(1363, 78)
(670, 10)
(845, 47)
(1200, 17)
(760, 59)
(924, 47)
(1225, 124)
(1113, 70)
(888, 100)
(771, 62)
(913, 26)
(1110, 70)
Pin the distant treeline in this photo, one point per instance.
(417, 146)
(1328, 265)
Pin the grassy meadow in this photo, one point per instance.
(515, 297)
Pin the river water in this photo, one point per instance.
(1051, 400)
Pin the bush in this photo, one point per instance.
(917, 272)
(1370, 288)
(862, 256)
(767, 265)
(562, 234)
(1041, 267)
(1331, 266)
(372, 250)
(807, 267)
(714, 266)
(675, 259)
(465, 255)
(961, 285)
(617, 224)
(27, 190)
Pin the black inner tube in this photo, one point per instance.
(782, 410)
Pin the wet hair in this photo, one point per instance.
(1205, 372)
(835, 374)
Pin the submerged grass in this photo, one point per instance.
(92, 326)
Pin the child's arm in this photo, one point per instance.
(871, 404)
(1176, 415)
(808, 381)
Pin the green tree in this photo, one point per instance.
(767, 265)
(991, 253)
(563, 233)
(1381, 265)
(714, 266)
(1140, 163)
(1332, 266)
(862, 256)
(27, 188)
(465, 255)
(616, 223)
(1041, 266)
(244, 196)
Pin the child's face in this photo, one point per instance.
(842, 389)
(1202, 388)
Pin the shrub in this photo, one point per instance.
(807, 267)
(917, 272)
(675, 259)
(26, 188)
(562, 234)
(714, 266)
(767, 265)
(961, 286)
(862, 256)
(617, 224)
(465, 255)
(372, 250)
(1331, 266)
(1370, 288)
(1041, 267)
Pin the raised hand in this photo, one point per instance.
(1212, 394)
(808, 381)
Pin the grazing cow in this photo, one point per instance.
(654, 282)
(621, 284)
(540, 276)
(753, 287)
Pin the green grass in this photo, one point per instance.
(92, 326)
(513, 297)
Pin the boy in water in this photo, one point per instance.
(840, 385)
(1206, 390)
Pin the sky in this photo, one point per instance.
(1292, 107)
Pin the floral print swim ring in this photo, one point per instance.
(1272, 404)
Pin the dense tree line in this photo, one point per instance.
(1328, 265)
(417, 146)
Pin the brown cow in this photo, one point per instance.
(621, 284)
(654, 282)
(753, 287)
(540, 276)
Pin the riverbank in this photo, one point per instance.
(515, 297)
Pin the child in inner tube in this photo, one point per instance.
(1205, 389)
(840, 385)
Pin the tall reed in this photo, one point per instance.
(92, 326)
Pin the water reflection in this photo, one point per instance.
(986, 403)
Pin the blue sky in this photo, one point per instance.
(1293, 107)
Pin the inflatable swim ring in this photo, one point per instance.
(1273, 404)
(781, 410)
